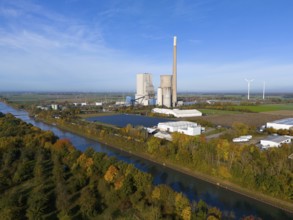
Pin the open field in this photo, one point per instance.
(252, 119)
(267, 108)
(217, 112)
(34, 97)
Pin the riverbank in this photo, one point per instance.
(286, 206)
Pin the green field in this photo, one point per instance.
(267, 108)
(47, 97)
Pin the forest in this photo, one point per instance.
(44, 177)
(269, 172)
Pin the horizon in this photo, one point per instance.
(240, 93)
(101, 46)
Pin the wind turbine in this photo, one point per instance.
(263, 90)
(248, 85)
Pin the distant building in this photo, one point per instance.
(184, 127)
(275, 141)
(285, 123)
(54, 106)
(178, 113)
(42, 107)
(98, 103)
(128, 100)
(120, 103)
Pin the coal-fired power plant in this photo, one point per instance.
(166, 93)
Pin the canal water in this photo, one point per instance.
(193, 188)
(121, 120)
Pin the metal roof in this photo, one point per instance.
(277, 139)
(178, 123)
(284, 121)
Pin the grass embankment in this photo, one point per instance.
(84, 116)
(123, 144)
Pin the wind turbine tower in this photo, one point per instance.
(263, 90)
(248, 87)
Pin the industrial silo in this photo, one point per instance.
(167, 97)
(166, 86)
(160, 97)
(166, 81)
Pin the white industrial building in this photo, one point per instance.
(55, 106)
(178, 113)
(275, 141)
(244, 138)
(285, 123)
(184, 127)
(144, 88)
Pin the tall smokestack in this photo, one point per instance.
(174, 77)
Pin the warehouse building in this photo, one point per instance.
(178, 113)
(286, 123)
(275, 141)
(184, 127)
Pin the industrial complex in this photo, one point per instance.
(166, 93)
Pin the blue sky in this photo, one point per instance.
(100, 45)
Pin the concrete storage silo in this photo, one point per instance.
(166, 81)
(167, 97)
(160, 97)
(166, 86)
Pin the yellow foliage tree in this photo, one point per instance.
(119, 182)
(181, 202)
(156, 194)
(186, 213)
(111, 173)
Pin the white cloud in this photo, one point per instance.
(47, 51)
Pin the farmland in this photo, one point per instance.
(266, 108)
(252, 119)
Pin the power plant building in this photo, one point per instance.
(167, 92)
(144, 88)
